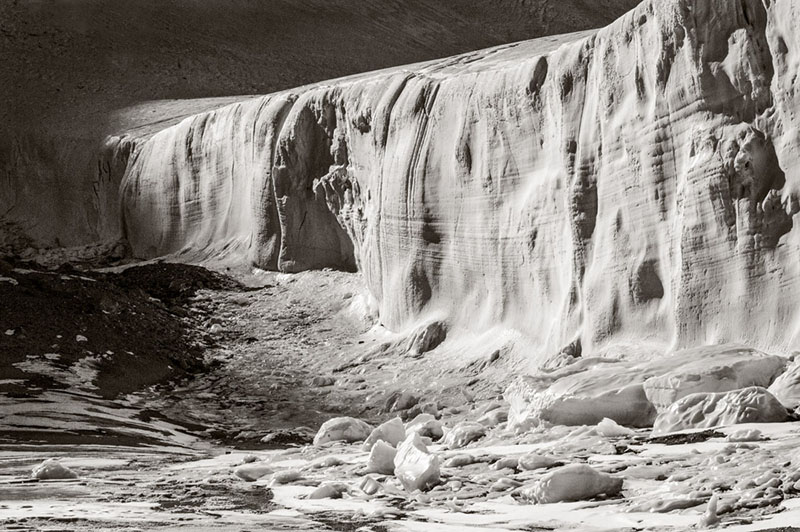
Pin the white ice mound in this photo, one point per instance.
(348, 429)
(786, 387)
(52, 469)
(576, 482)
(391, 432)
(706, 410)
(710, 370)
(414, 466)
(381, 458)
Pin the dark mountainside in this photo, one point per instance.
(68, 61)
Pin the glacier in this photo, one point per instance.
(634, 184)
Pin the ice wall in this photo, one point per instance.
(638, 183)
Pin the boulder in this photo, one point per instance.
(575, 482)
(786, 388)
(348, 429)
(706, 410)
(414, 466)
(381, 458)
(391, 432)
(707, 370)
(323, 381)
(741, 436)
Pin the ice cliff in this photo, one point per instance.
(634, 183)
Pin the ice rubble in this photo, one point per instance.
(632, 392)
(705, 410)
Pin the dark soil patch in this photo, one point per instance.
(135, 326)
(209, 498)
(681, 439)
(173, 284)
(342, 522)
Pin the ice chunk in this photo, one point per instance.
(286, 477)
(509, 462)
(575, 482)
(712, 371)
(706, 410)
(333, 490)
(459, 460)
(348, 429)
(381, 458)
(504, 484)
(52, 469)
(536, 461)
(414, 466)
(786, 387)
(710, 517)
(744, 436)
(494, 417)
(392, 432)
(611, 429)
(369, 485)
(579, 398)
(252, 471)
(425, 425)
(463, 434)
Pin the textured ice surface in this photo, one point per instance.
(705, 410)
(637, 183)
